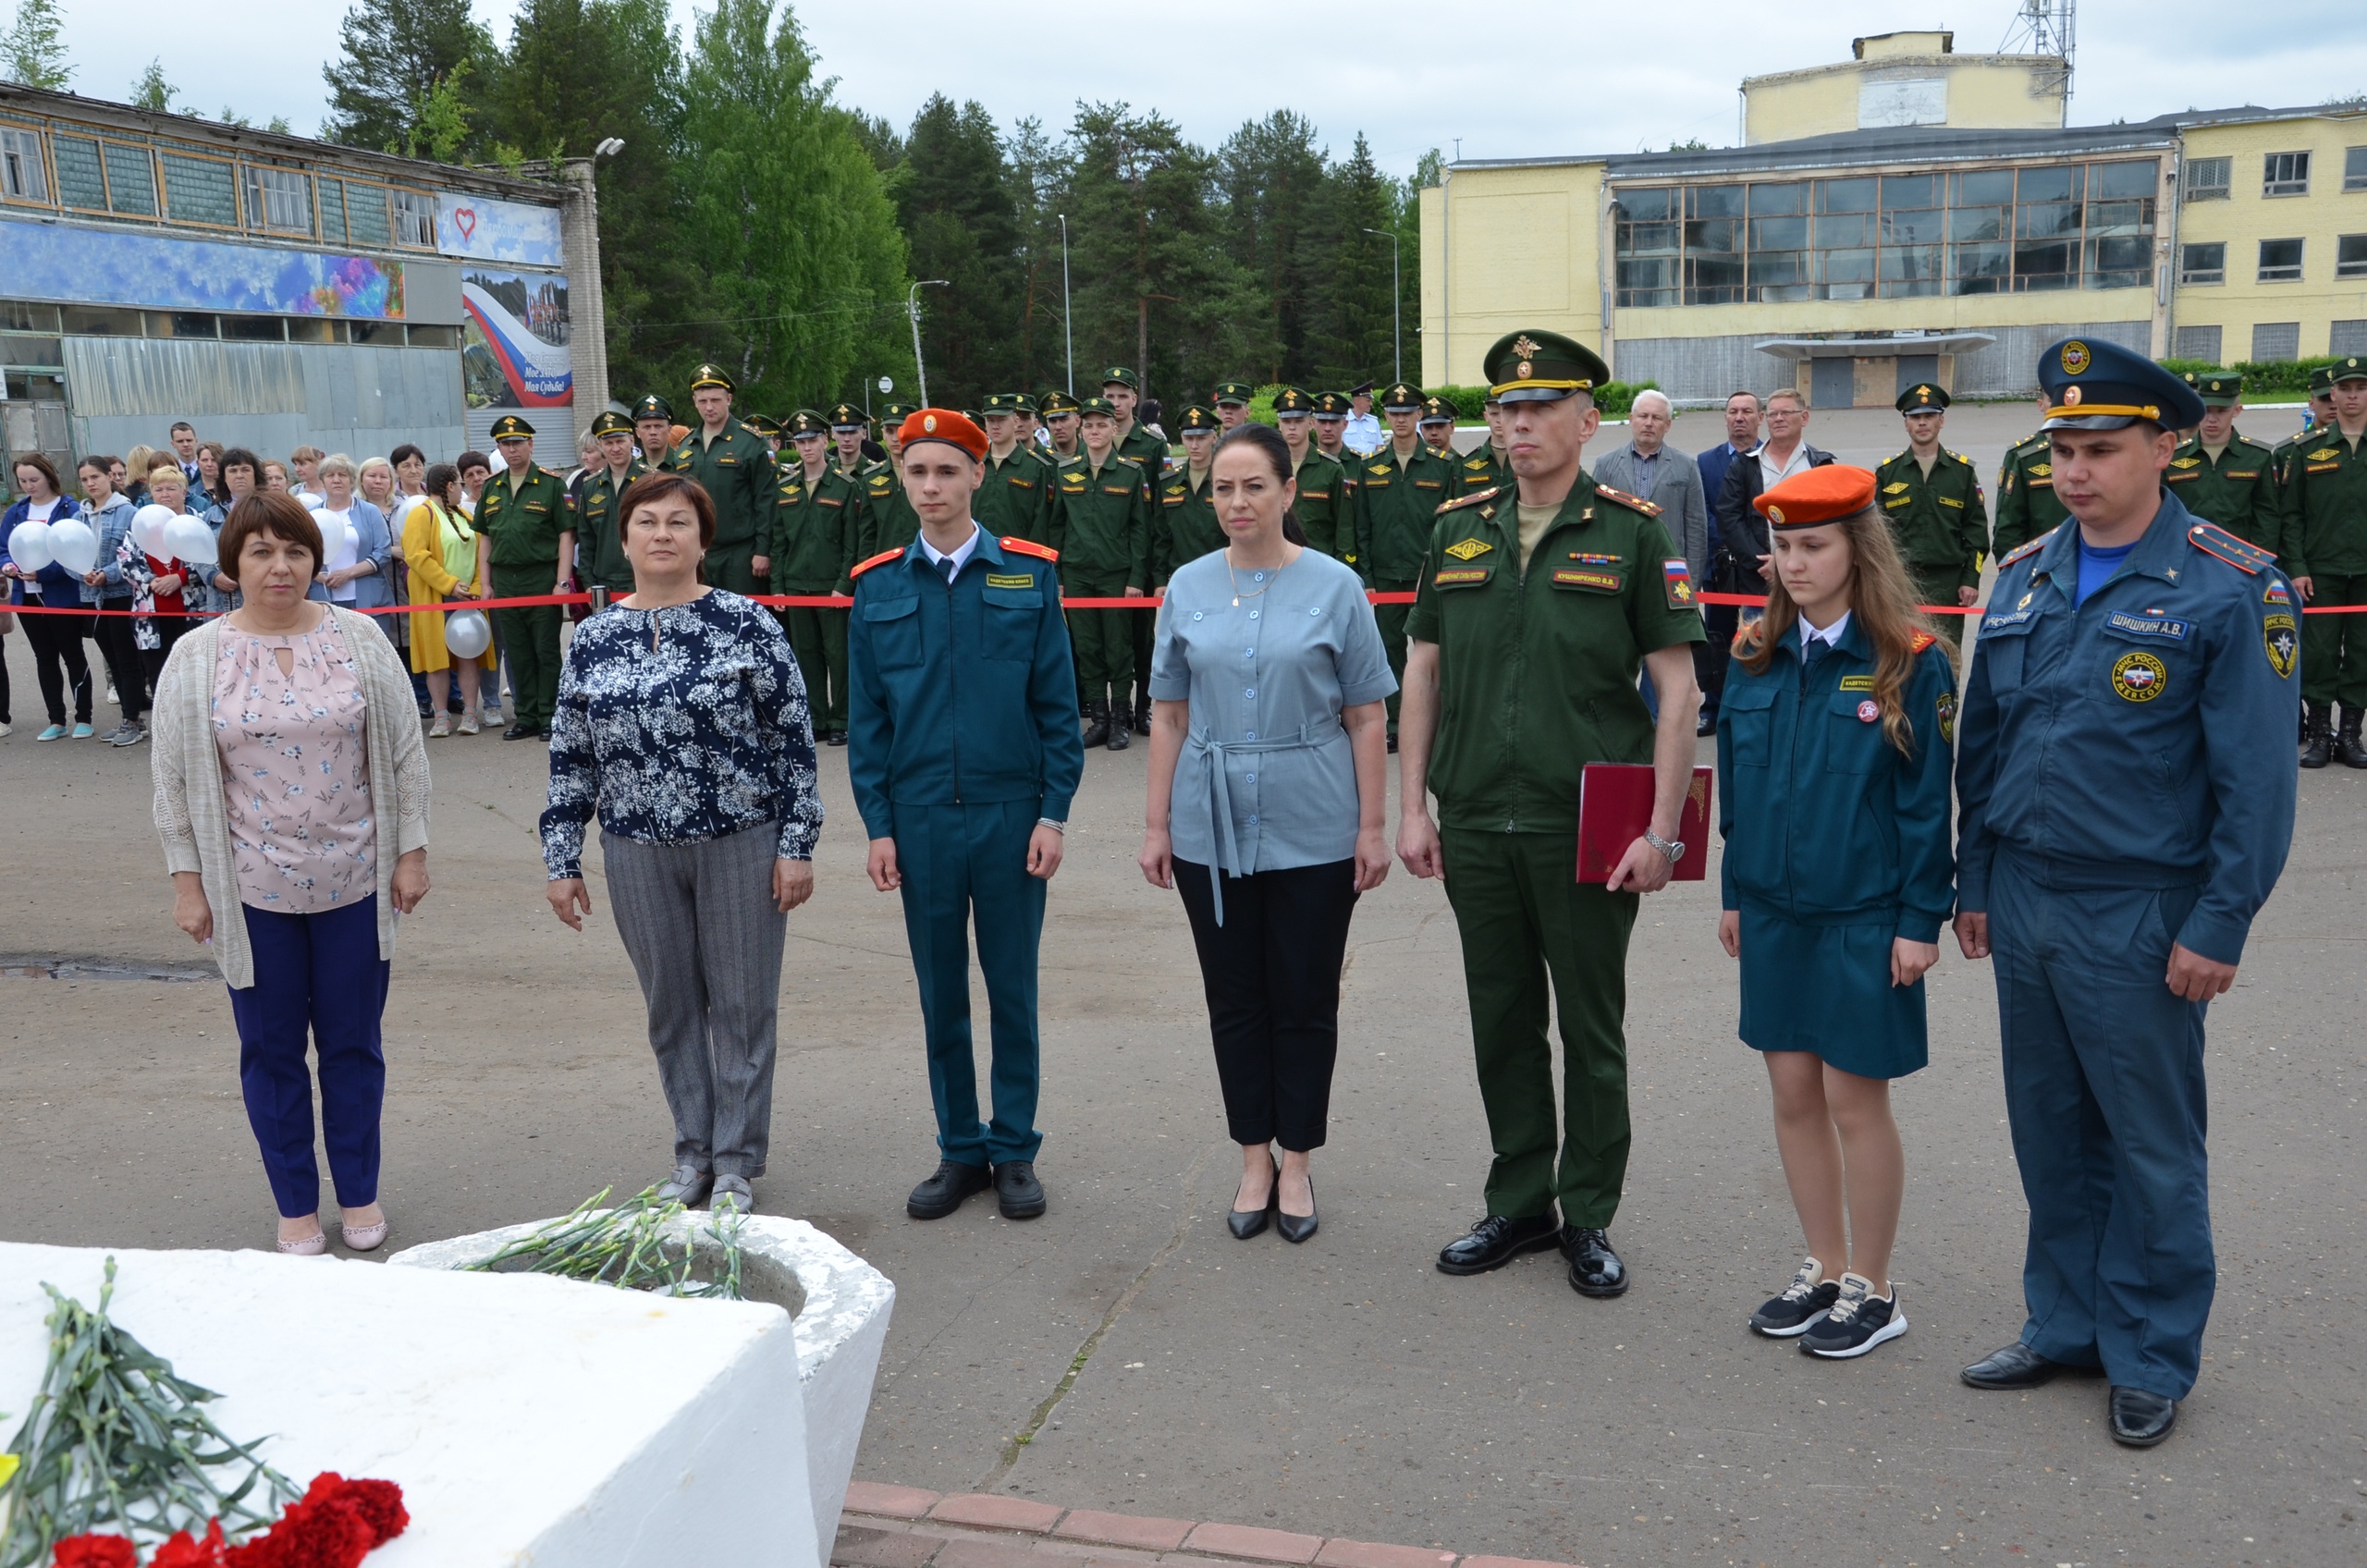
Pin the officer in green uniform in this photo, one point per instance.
(1186, 527)
(1101, 523)
(2222, 475)
(767, 428)
(1436, 427)
(1059, 422)
(1123, 387)
(1015, 499)
(600, 548)
(734, 466)
(1400, 489)
(848, 428)
(524, 512)
(1486, 467)
(1324, 502)
(1331, 441)
(1232, 402)
(2322, 531)
(812, 550)
(1537, 605)
(1932, 500)
(889, 521)
(653, 431)
(2026, 505)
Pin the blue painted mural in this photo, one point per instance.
(97, 266)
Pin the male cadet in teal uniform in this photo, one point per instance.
(1186, 527)
(734, 466)
(2322, 535)
(1400, 489)
(598, 545)
(1232, 401)
(1323, 500)
(812, 546)
(1015, 498)
(1931, 497)
(1101, 526)
(2219, 473)
(1436, 427)
(2125, 803)
(963, 760)
(524, 512)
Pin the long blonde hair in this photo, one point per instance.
(1882, 600)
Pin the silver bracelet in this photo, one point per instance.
(1059, 827)
(1675, 852)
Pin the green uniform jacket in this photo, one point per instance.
(813, 538)
(736, 468)
(2026, 503)
(1327, 506)
(1145, 448)
(1187, 528)
(1397, 510)
(1485, 469)
(524, 521)
(597, 543)
(889, 521)
(1015, 497)
(1101, 523)
(1537, 670)
(1939, 523)
(2321, 506)
(2238, 492)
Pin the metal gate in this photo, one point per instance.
(34, 426)
(1833, 384)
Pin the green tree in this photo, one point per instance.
(954, 205)
(396, 54)
(1353, 330)
(31, 52)
(1037, 169)
(152, 90)
(1273, 179)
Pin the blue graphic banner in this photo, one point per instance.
(97, 266)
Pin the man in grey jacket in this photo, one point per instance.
(1646, 467)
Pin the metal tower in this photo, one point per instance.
(2047, 27)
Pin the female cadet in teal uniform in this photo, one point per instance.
(1834, 741)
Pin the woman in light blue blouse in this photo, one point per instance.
(682, 721)
(1267, 808)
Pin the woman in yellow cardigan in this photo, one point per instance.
(446, 562)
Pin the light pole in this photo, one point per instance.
(912, 306)
(1396, 299)
(1068, 328)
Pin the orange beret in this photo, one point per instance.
(949, 425)
(1817, 496)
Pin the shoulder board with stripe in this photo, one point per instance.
(1960, 456)
(882, 558)
(1473, 499)
(1624, 499)
(1921, 641)
(1014, 543)
(2214, 540)
(2016, 555)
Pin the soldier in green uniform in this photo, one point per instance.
(600, 550)
(1185, 525)
(1486, 467)
(2322, 532)
(1931, 498)
(767, 428)
(1537, 606)
(2026, 504)
(734, 466)
(1436, 427)
(848, 427)
(523, 512)
(1399, 491)
(1232, 402)
(889, 521)
(1015, 499)
(1331, 441)
(2222, 475)
(653, 431)
(812, 546)
(1324, 502)
(1123, 388)
(1101, 523)
(1058, 411)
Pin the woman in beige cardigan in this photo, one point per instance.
(291, 786)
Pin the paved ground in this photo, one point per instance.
(1124, 1354)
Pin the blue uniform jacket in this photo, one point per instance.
(2144, 740)
(960, 693)
(1825, 822)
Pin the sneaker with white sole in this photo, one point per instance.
(129, 733)
(441, 727)
(1859, 1320)
(467, 725)
(1809, 1297)
(54, 732)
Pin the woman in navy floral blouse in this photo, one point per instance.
(682, 722)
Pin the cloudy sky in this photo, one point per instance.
(1595, 77)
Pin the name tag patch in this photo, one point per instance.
(2147, 626)
(1586, 577)
(1458, 579)
(1856, 683)
(2011, 617)
(1010, 579)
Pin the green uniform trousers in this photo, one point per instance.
(727, 567)
(1142, 625)
(1391, 621)
(818, 638)
(530, 642)
(2333, 647)
(1940, 588)
(1104, 640)
(1525, 920)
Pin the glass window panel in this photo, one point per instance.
(414, 218)
(201, 190)
(2046, 221)
(1979, 269)
(131, 181)
(1912, 228)
(101, 321)
(1978, 223)
(279, 200)
(1778, 266)
(1718, 234)
(2060, 183)
(1779, 234)
(1847, 266)
(1841, 231)
(1714, 202)
(2286, 174)
(1846, 195)
(365, 214)
(2354, 168)
(391, 332)
(1653, 238)
(1647, 274)
(2280, 261)
(311, 329)
(20, 315)
(2350, 256)
(2109, 181)
(450, 336)
(2120, 217)
(1911, 191)
(252, 329)
(1779, 200)
(1985, 187)
(32, 351)
(1647, 207)
(2205, 263)
(2127, 259)
(332, 209)
(2052, 260)
(22, 174)
(80, 182)
(1904, 262)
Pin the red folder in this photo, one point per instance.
(1615, 806)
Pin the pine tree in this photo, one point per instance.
(30, 51)
(1274, 185)
(954, 205)
(1352, 335)
(396, 53)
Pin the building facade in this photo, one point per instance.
(276, 291)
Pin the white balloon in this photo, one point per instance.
(466, 635)
(73, 545)
(148, 527)
(313, 502)
(189, 539)
(29, 545)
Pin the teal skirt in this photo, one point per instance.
(1826, 990)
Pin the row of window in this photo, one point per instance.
(171, 183)
(28, 332)
(2282, 174)
(2272, 340)
(2280, 260)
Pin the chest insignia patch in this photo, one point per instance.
(1676, 577)
(1586, 577)
(1868, 711)
(1856, 683)
(2185, 462)
(1458, 579)
(2283, 643)
(2151, 624)
(1468, 549)
(2024, 602)
(2138, 678)
(2043, 470)
(1947, 707)
(2323, 453)
(1897, 487)
(1010, 579)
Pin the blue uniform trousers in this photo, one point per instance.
(962, 862)
(2104, 1087)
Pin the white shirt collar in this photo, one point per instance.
(960, 558)
(1830, 635)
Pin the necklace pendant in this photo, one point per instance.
(1236, 601)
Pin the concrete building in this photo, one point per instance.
(276, 291)
(1950, 233)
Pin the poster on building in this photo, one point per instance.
(482, 229)
(514, 352)
(106, 267)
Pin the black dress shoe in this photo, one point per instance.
(2016, 1366)
(1247, 1222)
(1595, 1270)
(943, 1193)
(1021, 1196)
(519, 732)
(2142, 1418)
(836, 738)
(1496, 1241)
(1297, 1227)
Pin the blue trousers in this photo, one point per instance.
(2104, 1090)
(318, 980)
(963, 863)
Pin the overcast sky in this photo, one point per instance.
(1587, 77)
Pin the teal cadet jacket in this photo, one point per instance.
(1825, 821)
(960, 693)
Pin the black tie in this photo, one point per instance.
(947, 564)
(1810, 657)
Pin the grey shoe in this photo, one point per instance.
(131, 734)
(732, 1191)
(688, 1186)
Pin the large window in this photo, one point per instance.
(2275, 341)
(2285, 174)
(415, 219)
(2203, 263)
(279, 200)
(22, 178)
(2199, 343)
(1985, 231)
(2354, 168)
(2280, 261)
(199, 189)
(2350, 255)
(2207, 178)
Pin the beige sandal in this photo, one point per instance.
(441, 727)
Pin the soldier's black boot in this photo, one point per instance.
(1119, 737)
(1099, 730)
(2320, 750)
(1142, 710)
(2347, 749)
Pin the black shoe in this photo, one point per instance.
(1021, 1196)
(1119, 739)
(1098, 731)
(2016, 1366)
(943, 1193)
(1859, 1320)
(1392, 745)
(2318, 750)
(2347, 749)
(836, 738)
(2142, 1418)
(1496, 1241)
(1142, 712)
(519, 732)
(1247, 1222)
(1595, 1270)
(1796, 1310)
(1707, 724)
(1295, 1228)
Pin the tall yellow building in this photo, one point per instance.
(1953, 230)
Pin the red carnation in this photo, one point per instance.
(182, 1551)
(96, 1551)
(334, 1525)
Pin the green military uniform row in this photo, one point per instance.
(734, 465)
(1931, 499)
(2321, 485)
(524, 512)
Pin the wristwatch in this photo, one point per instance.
(1675, 852)
(1059, 827)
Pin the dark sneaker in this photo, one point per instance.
(1805, 1300)
(1859, 1320)
(1017, 1192)
(943, 1192)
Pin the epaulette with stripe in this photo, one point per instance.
(1920, 642)
(1471, 500)
(881, 560)
(1012, 542)
(2244, 555)
(2015, 555)
(1624, 499)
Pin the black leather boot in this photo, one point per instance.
(2347, 749)
(1121, 737)
(1142, 710)
(1099, 730)
(2319, 751)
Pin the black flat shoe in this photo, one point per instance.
(1595, 1270)
(519, 732)
(836, 738)
(2142, 1418)
(943, 1193)
(1496, 1241)
(1295, 1228)
(2014, 1367)
(1246, 1222)
(1018, 1191)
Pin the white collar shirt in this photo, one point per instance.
(960, 558)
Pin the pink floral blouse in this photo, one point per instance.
(295, 773)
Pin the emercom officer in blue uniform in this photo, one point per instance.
(2126, 782)
(964, 753)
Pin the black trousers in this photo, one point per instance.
(58, 663)
(170, 628)
(1271, 973)
(122, 654)
(1710, 658)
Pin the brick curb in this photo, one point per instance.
(911, 1527)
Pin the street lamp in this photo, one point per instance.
(1396, 299)
(913, 305)
(1068, 327)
